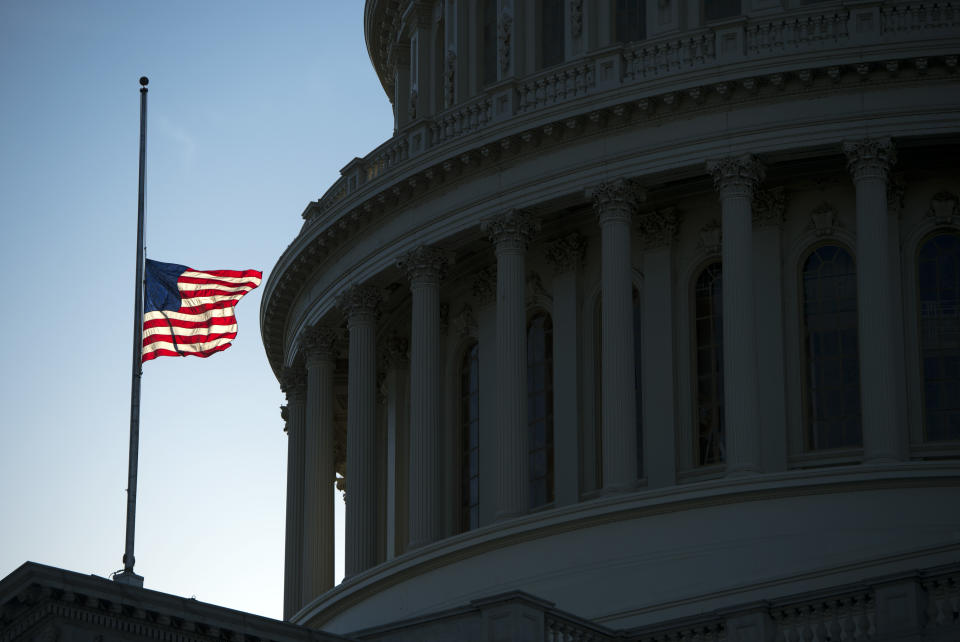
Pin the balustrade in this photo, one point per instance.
(943, 602)
(844, 618)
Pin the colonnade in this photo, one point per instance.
(309, 412)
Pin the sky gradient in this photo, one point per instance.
(253, 109)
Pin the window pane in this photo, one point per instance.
(469, 438)
(551, 33)
(938, 272)
(832, 357)
(708, 303)
(540, 408)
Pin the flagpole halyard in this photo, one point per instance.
(127, 575)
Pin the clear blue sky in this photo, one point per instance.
(253, 109)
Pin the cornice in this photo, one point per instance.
(341, 214)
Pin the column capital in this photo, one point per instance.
(293, 382)
(485, 286)
(658, 228)
(736, 175)
(511, 230)
(424, 265)
(359, 302)
(870, 158)
(617, 199)
(285, 416)
(566, 254)
(320, 343)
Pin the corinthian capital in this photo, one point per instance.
(359, 303)
(616, 199)
(320, 342)
(424, 264)
(511, 230)
(870, 158)
(736, 175)
(293, 382)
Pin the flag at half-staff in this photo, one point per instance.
(190, 312)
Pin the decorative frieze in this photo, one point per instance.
(736, 175)
(658, 228)
(870, 158)
(465, 323)
(566, 254)
(485, 286)
(769, 206)
(824, 220)
(710, 237)
(943, 208)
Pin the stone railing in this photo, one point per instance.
(943, 602)
(559, 627)
(573, 81)
(798, 33)
(844, 617)
(461, 120)
(755, 40)
(917, 16)
(659, 58)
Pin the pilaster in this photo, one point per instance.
(736, 179)
(869, 162)
(566, 258)
(360, 303)
(615, 202)
(510, 233)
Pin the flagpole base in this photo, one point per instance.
(130, 578)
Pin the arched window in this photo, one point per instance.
(709, 440)
(551, 33)
(489, 39)
(938, 270)
(631, 20)
(598, 384)
(540, 408)
(832, 392)
(470, 438)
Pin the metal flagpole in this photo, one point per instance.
(127, 576)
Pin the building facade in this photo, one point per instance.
(649, 310)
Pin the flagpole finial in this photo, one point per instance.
(143, 81)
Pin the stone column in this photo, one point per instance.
(511, 232)
(735, 179)
(869, 162)
(359, 303)
(293, 382)
(614, 204)
(319, 475)
(658, 231)
(424, 267)
(566, 257)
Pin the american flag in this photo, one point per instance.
(189, 312)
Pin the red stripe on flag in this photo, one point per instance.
(163, 352)
(178, 323)
(232, 273)
(187, 340)
(200, 281)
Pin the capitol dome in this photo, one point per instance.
(644, 324)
